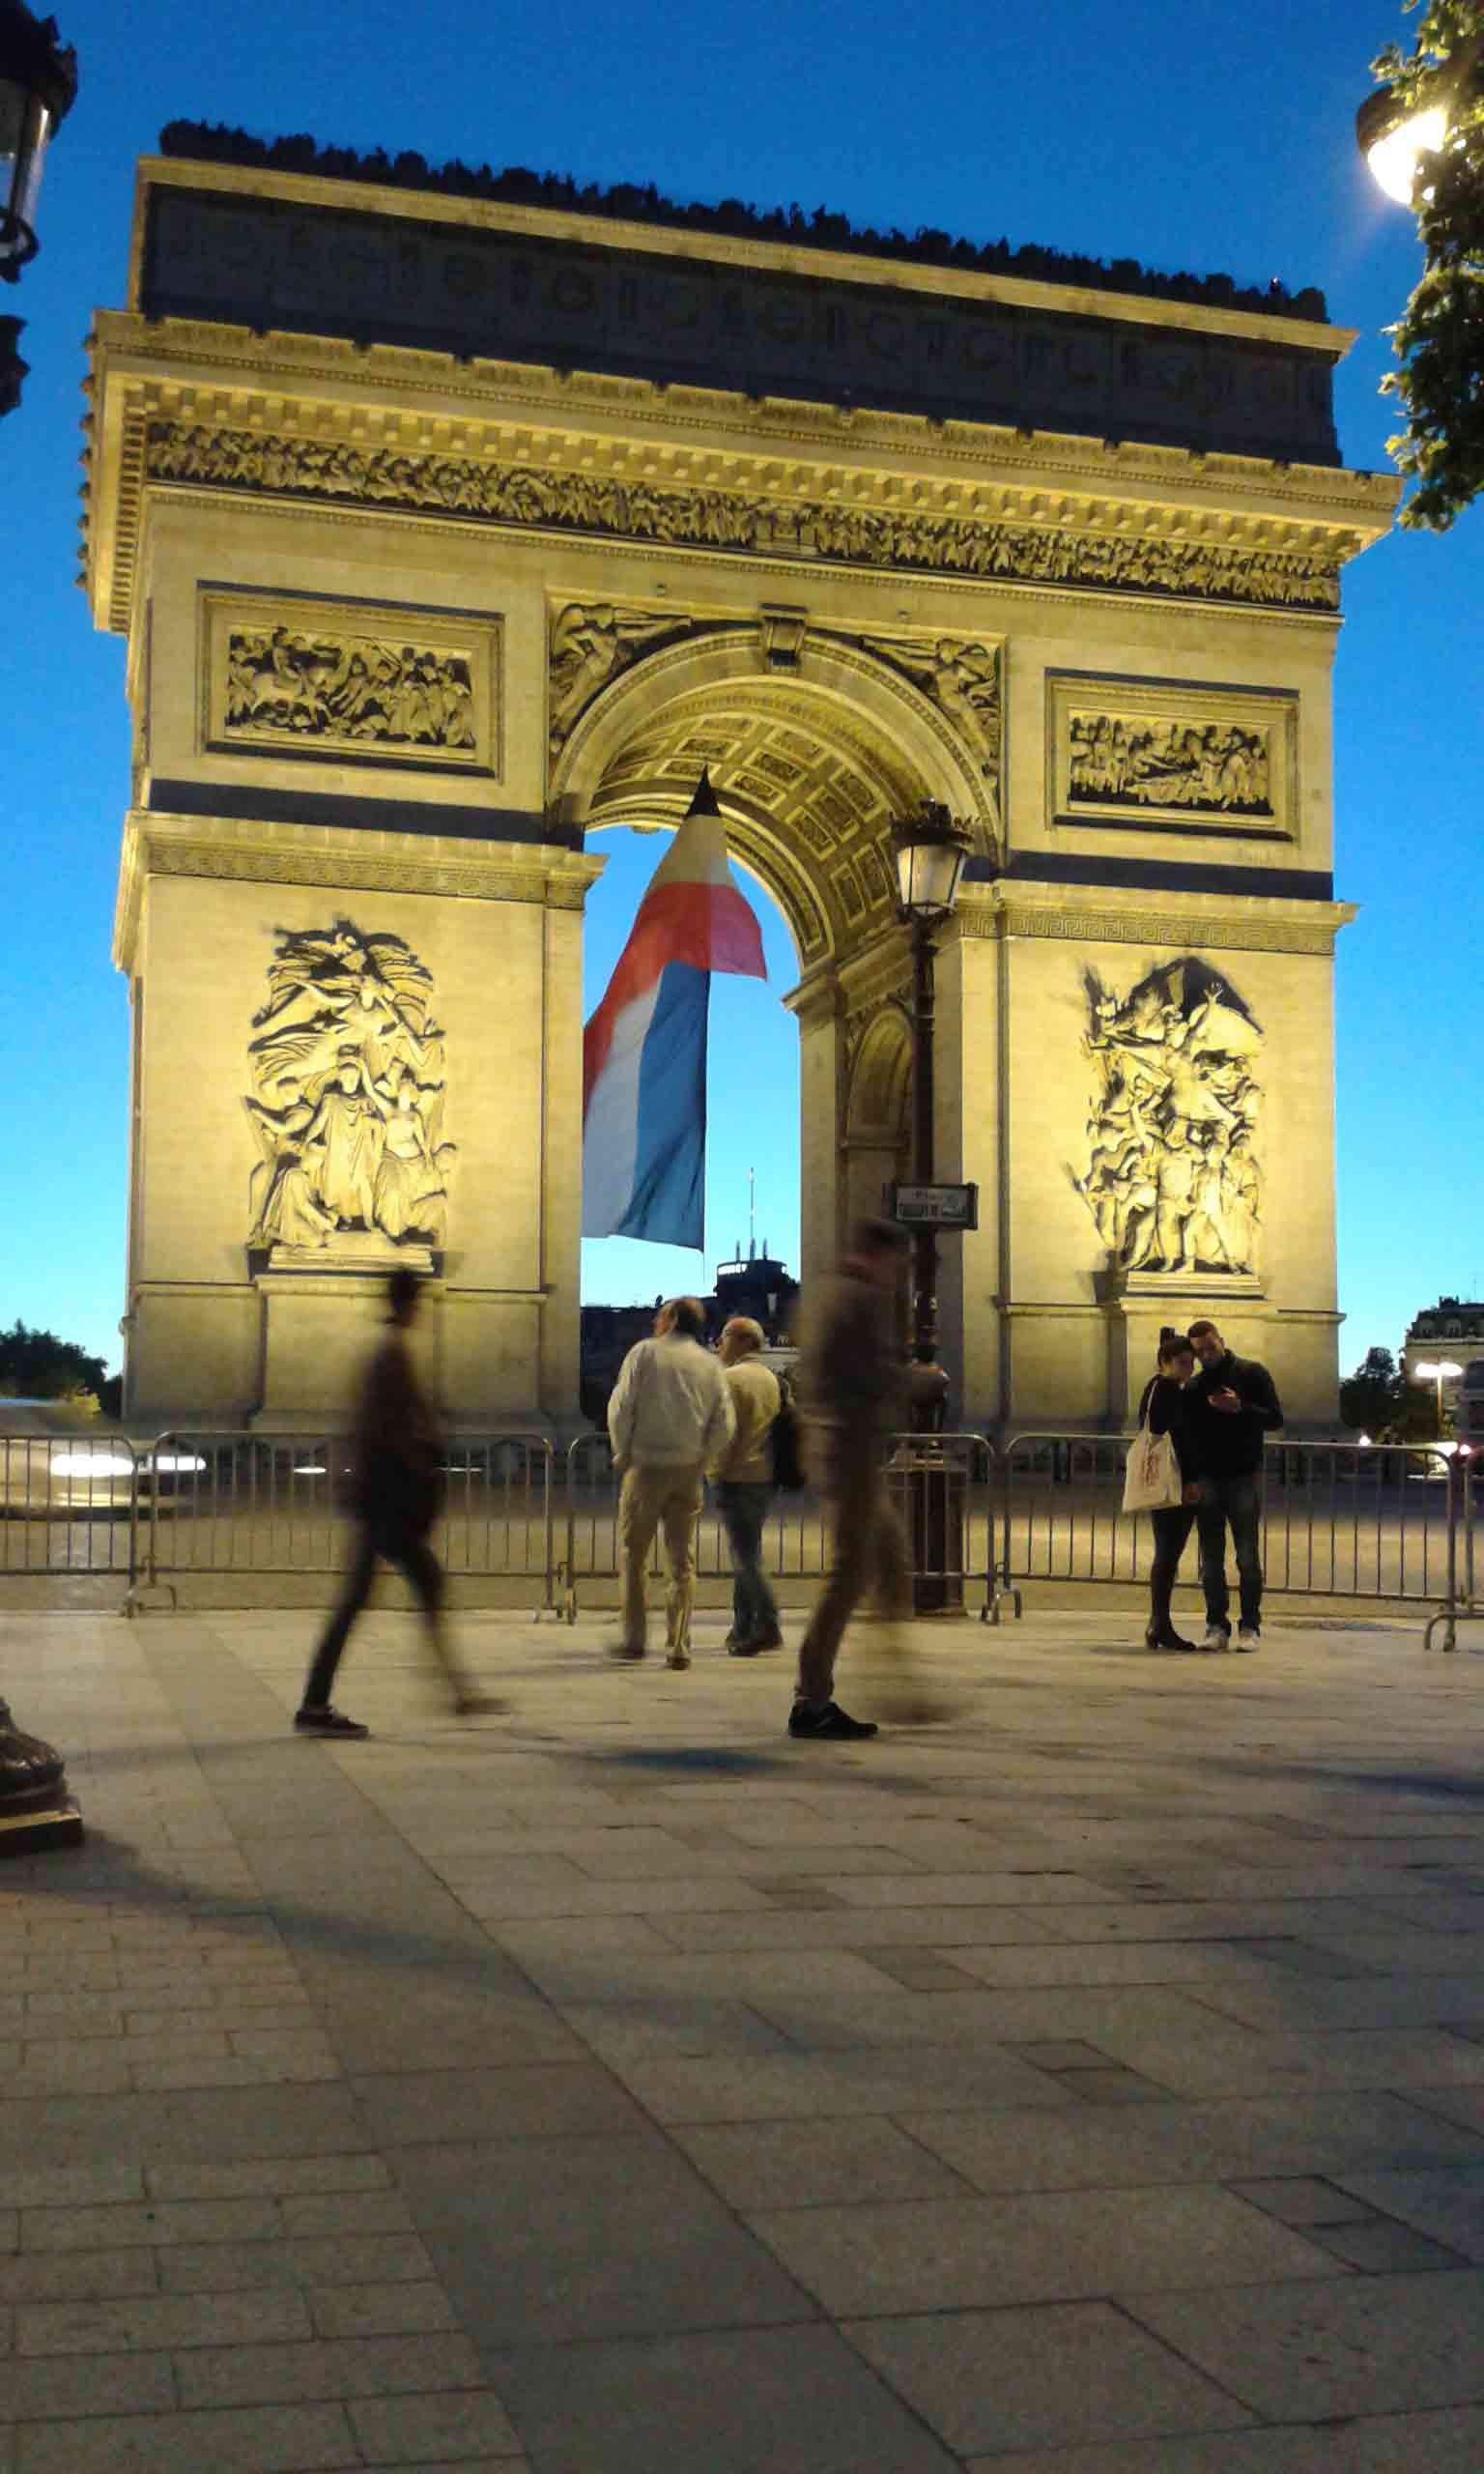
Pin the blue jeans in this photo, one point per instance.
(744, 1509)
(1235, 1503)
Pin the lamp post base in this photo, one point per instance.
(36, 1808)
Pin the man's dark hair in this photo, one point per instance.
(403, 1290)
(878, 1237)
(689, 1317)
(1198, 1331)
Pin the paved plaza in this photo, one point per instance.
(1089, 2082)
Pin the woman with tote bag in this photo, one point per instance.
(1165, 1410)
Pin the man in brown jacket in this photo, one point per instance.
(853, 1384)
(743, 1477)
(396, 1450)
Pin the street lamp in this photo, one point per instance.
(1393, 134)
(1441, 1370)
(38, 87)
(930, 848)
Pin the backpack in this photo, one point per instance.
(786, 1442)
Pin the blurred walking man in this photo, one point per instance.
(852, 1387)
(744, 1486)
(1234, 1404)
(668, 1419)
(396, 1449)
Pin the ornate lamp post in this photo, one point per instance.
(38, 87)
(1394, 134)
(930, 849)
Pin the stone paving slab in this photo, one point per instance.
(1092, 2082)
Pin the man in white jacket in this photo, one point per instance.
(671, 1414)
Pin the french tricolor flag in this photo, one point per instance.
(645, 1049)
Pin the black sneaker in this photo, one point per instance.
(832, 1721)
(327, 1722)
(740, 1649)
(626, 1651)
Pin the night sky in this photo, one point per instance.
(1189, 136)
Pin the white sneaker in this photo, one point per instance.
(1249, 1637)
(1218, 1637)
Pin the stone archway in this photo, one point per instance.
(810, 755)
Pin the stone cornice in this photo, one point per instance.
(1222, 529)
(1085, 915)
(332, 856)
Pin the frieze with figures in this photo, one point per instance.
(348, 1077)
(1171, 1179)
(1210, 768)
(338, 473)
(294, 675)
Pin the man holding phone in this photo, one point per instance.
(1234, 1404)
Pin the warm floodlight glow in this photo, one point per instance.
(91, 1464)
(1443, 1371)
(1394, 155)
(310, 1469)
(175, 1464)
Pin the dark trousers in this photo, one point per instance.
(744, 1511)
(1234, 1503)
(409, 1550)
(1172, 1528)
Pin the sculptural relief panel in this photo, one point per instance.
(336, 472)
(349, 1084)
(1172, 1180)
(1151, 755)
(299, 677)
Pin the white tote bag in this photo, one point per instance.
(1151, 1478)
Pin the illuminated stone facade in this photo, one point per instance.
(446, 534)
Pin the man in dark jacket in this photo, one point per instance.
(1233, 1405)
(853, 1379)
(396, 1451)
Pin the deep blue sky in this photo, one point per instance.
(1188, 133)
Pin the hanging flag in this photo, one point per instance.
(645, 1049)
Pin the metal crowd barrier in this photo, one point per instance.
(942, 1483)
(68, 1504)
(264, 1503)
(1376, 1522)
(1339, 1520)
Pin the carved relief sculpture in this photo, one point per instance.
(1141, 754)
(1172, 1182)
(591, 643)
(1209, 767)
(347, 1105)
(288, 674)
(715, 519)
(345, 687)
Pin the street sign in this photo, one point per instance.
(934, 1206)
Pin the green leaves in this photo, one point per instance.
(1438, 341)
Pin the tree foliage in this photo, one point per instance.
(38, 1365)
(1440, 340)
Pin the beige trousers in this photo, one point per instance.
(667, 1499)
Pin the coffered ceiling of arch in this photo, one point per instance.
(808, 809)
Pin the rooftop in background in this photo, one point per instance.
(514, 269)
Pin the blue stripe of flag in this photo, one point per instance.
(667, 1204)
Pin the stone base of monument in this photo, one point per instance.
(36, 1809)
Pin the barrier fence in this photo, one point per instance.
(941, 1485)
(1391, 1523)
(1339, 1520)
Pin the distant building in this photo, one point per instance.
(1451, 1333)
(753, 1285)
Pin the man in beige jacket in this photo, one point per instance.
(670, 1417)
(744, 1486)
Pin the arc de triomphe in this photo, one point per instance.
(444, 530)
